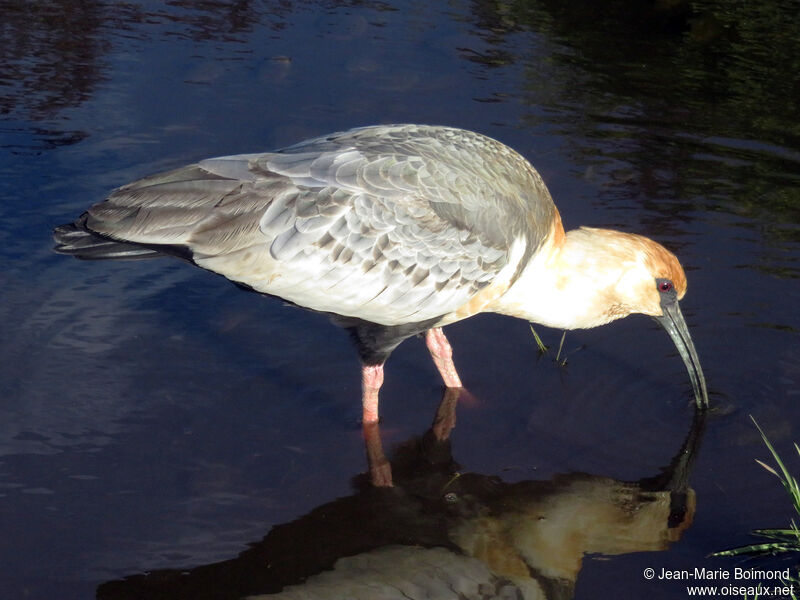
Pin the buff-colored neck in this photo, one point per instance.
(584, 278)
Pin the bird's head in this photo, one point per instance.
(641, 276)
(589, 277)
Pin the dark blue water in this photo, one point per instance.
(155, 417)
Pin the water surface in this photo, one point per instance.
(155, 417)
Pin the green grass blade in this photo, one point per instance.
(560, 346)
(783, 540)
(789, 482)
(769, 548)
(539, 342)
(788, 535)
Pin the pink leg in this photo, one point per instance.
(442, 355)
(371, 381)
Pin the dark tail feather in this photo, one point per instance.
(78, 241)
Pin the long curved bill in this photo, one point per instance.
(672, 320)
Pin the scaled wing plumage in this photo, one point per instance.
(391, 224)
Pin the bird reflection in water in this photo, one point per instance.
(441, 534)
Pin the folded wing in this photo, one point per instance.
(388, 224)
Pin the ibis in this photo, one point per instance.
(395, 231)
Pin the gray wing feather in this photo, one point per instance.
(389, 224)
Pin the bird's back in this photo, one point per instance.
(390, 224)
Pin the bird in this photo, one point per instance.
(395, 231)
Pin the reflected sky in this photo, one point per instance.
(154, 417)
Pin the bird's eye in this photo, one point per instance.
(664, 286)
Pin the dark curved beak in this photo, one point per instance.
(672, 320)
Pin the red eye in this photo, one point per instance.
(665, 286)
